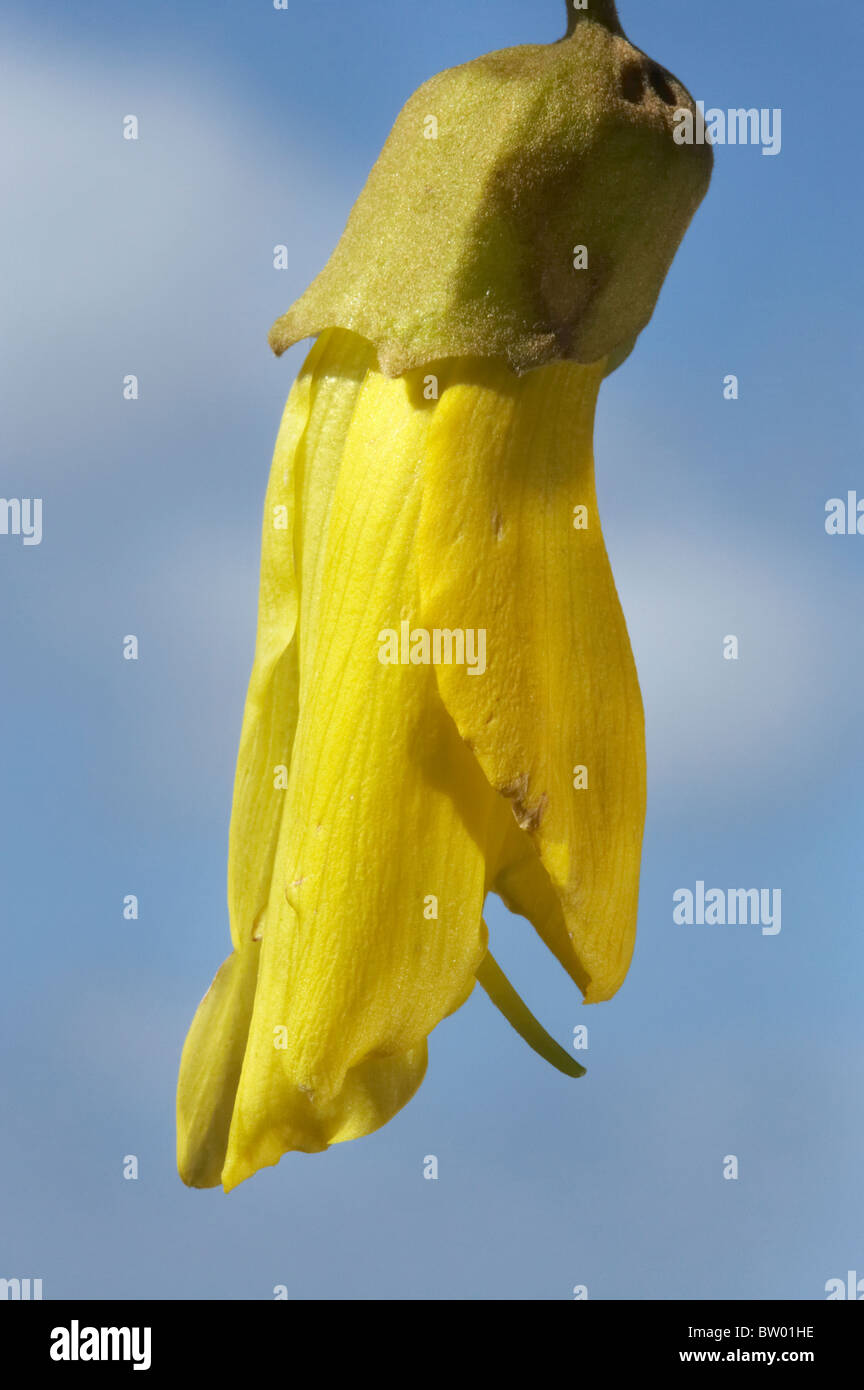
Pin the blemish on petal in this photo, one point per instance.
(528, 816)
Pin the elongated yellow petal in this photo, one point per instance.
(510, 542)
(210, 1069)
(301, 485)
(313, 426)
(372, 928)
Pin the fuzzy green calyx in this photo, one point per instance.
(526, 205)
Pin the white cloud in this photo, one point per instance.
(745, 731)
(152, 256)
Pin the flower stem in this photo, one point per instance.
(601, 11)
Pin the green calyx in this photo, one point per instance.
(526, 205)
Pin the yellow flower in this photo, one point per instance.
(443, 701)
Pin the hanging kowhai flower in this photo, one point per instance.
(444, 701)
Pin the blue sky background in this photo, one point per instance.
(258, 127)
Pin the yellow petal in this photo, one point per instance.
(301, 483)
(210, 1069)
(313, 425)
(372, 930)
(508, 462)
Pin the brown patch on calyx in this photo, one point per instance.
(528, 817)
